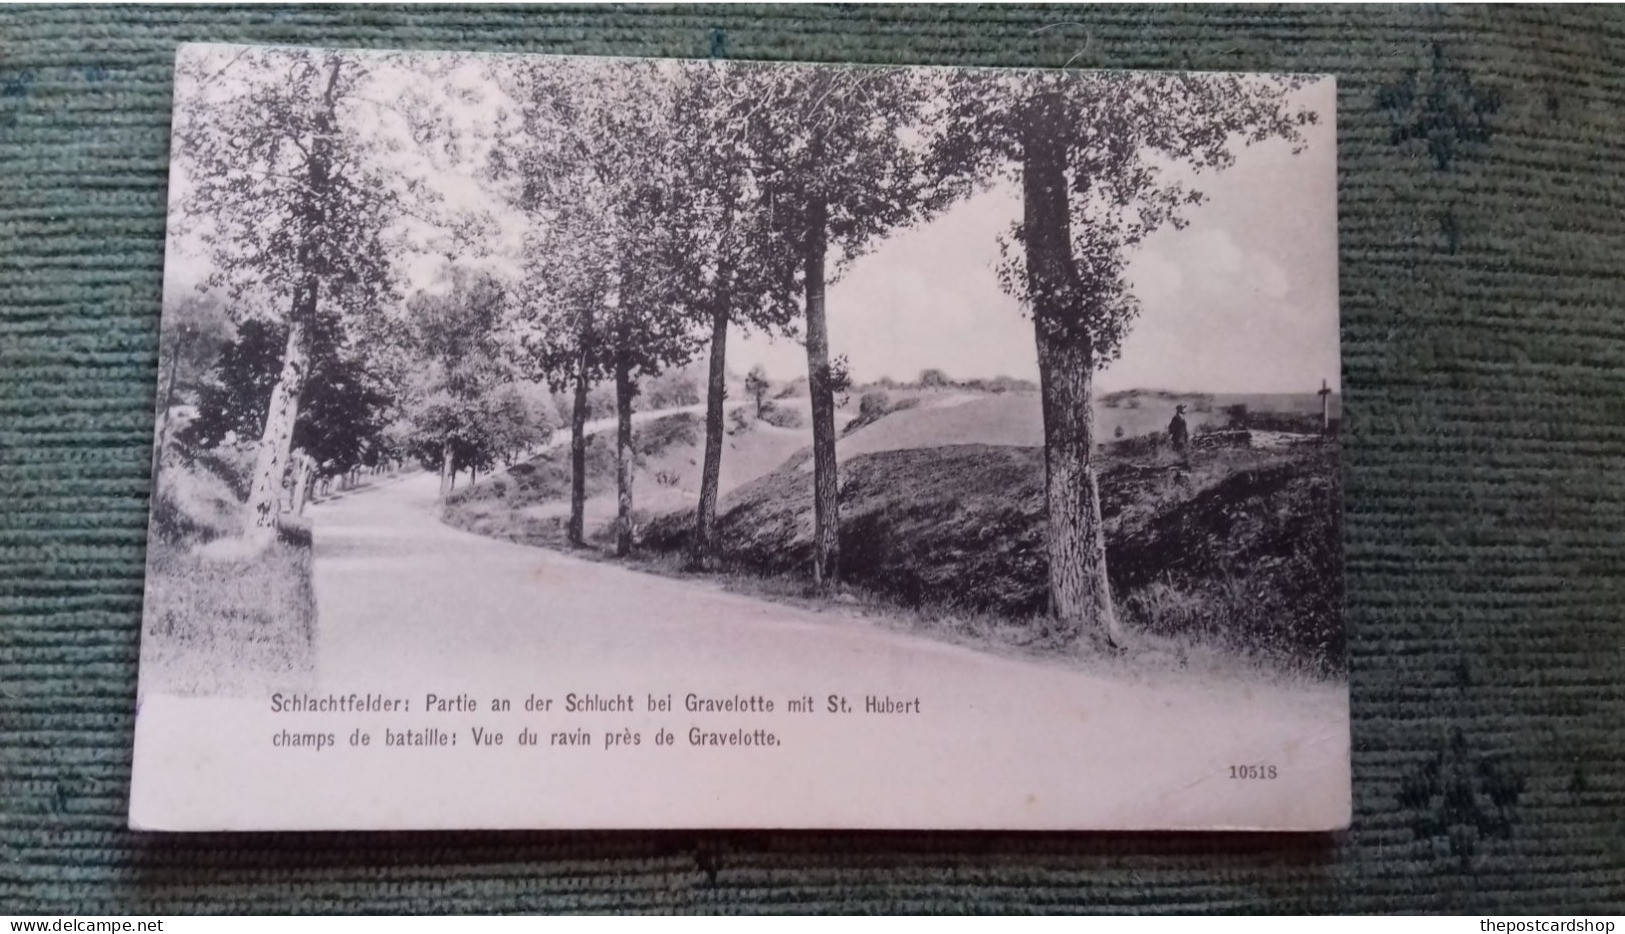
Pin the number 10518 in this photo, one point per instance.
(1252, 771)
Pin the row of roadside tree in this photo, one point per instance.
(599, 222)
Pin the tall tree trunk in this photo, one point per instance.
(704, 554)
(271, 459)
(304, 464)
(445, 467)
(624, 456)
(1080, 594)
(271, 456)
(577, 531)
(473, 474)
(826, 505)
(168, 403)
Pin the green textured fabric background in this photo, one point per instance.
(1482, 222)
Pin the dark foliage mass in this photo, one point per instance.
(345, 408)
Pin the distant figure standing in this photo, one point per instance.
(1178, 432)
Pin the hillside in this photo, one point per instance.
(942, 509)
(530, 501)
(1240, 550)
(671, 448)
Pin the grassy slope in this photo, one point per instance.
(228, 626)
(1240, 550)
(218, 622)
(530, 502)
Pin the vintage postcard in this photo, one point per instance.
(605, 443)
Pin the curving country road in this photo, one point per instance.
(409, 605)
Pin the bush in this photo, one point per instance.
(875, 404)
(193, 506)
(671, 390)
(1011, 384)
(1136, 446)
(1295, 422)
(493, 487)
(781, 416)
(600, 402)
(871, 408)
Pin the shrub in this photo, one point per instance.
(494, 487)
(872, 406)
(874, 403)
(1296, 422)
(600, 402)
(781, 416)
(1011, 384)
(670, 390)
(756, 386)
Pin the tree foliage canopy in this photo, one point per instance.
(1131, 146)
(279, 179)
(462, 392)
(344, 415)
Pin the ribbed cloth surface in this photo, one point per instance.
(1482, 223)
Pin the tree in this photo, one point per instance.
(564, 290)
(736, 268)
(756, 386)
(344, 412)
(1096, 155)
(195, 330)
(842, 163)
(454, 334)
(300, 174)
(674, 388)
(289, 206)
(593, 172)
(648, 328)
(519, 415)
(232, 397)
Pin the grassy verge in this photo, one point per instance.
(229, 626)
(219, 621)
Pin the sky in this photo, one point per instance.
(1244, 299)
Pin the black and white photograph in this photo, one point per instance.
(563, 442)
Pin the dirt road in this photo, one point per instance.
(410, 606)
